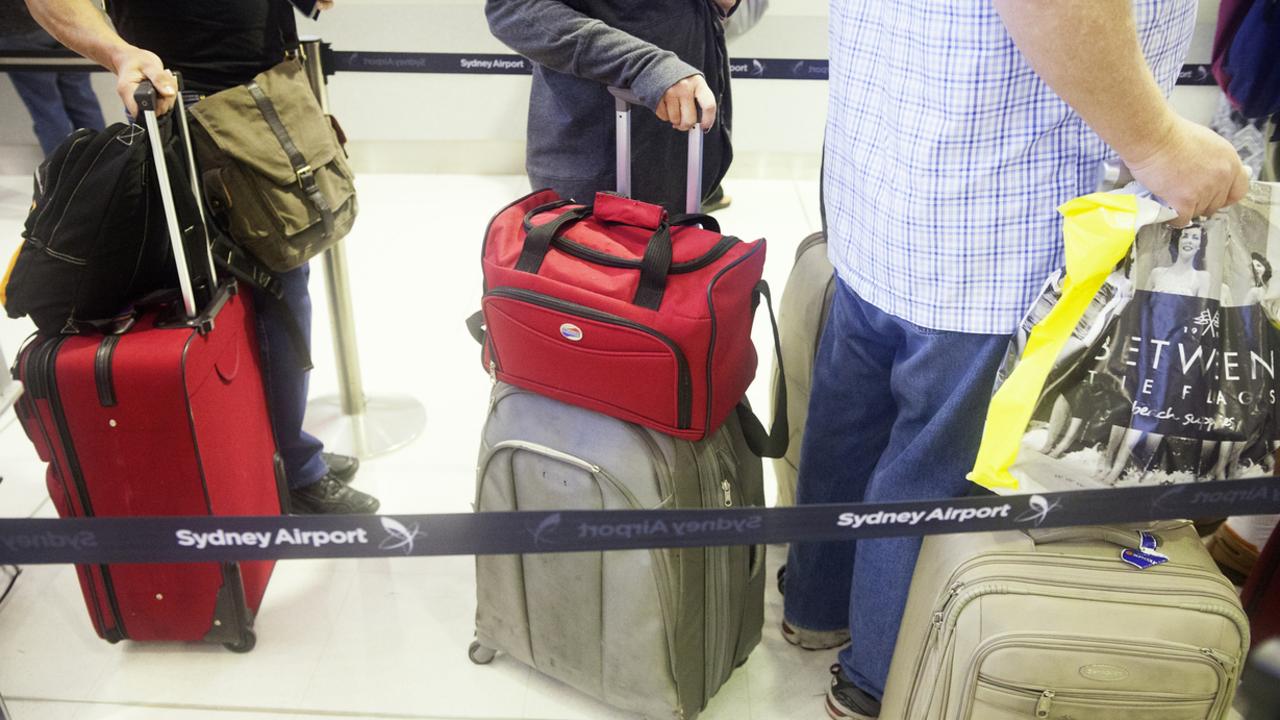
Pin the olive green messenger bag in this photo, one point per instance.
(273, 168)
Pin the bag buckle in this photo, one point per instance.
(304, 175)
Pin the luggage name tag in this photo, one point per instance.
(1149, 545)
(1141, 560)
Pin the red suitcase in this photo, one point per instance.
(1261, 596)
(167, 418)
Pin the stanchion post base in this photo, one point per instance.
(387, 424)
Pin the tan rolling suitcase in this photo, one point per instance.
(806, 302)
(1055, 625)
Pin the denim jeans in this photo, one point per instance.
(59, 102)
(896, 414)
(286, 382)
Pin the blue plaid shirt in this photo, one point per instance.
(947, 157)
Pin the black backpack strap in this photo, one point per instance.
(284, 313)
(244, 267)
(233, 259)
(301, 168)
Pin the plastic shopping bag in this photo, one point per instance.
(1150, 359)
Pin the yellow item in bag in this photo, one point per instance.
(1098, 234)
(1150, 359)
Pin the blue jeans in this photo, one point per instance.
(59, 102)
(286, 382)
(896, 415)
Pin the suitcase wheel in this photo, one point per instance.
(480, 654)
(245, 645)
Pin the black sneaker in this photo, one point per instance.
(330, 496)
(846, 701)
(343, 467)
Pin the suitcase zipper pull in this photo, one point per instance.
(1045, 703)
(1224, 661)
(728, 493)
(941, 613)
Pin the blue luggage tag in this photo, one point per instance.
(1150, 544)
(1141, 560)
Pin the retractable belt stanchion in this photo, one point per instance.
(351, 422)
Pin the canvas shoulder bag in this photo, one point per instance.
(273, 168)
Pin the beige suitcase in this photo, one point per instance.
(1053, 625)
(806, 302)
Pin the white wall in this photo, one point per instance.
(478, 122)
(456, 123)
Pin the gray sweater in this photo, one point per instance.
(580, 47)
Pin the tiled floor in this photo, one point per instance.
(370, 638)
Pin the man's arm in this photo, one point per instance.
(1088, 52)
(555, 35)
(83, 28)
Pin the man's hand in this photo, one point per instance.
(678, 106)
(726, 6)
(1193, 170)
(323, 5)
(133, 65)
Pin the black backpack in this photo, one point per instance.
(95, 240)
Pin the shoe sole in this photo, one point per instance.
(303, 508)
(838, 712)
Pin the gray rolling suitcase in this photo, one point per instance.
(806, 302)
(1054, 624)
(655, 632)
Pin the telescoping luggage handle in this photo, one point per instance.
(656, 263)
(623, 100)
(145, 97)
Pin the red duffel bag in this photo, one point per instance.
(623, 310)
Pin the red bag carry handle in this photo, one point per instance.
(654, 267)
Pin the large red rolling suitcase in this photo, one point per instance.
(166, 418)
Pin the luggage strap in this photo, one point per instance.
(771, 444)
(244, 267)
(655, 266)
(236, 261)
(301, 169)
